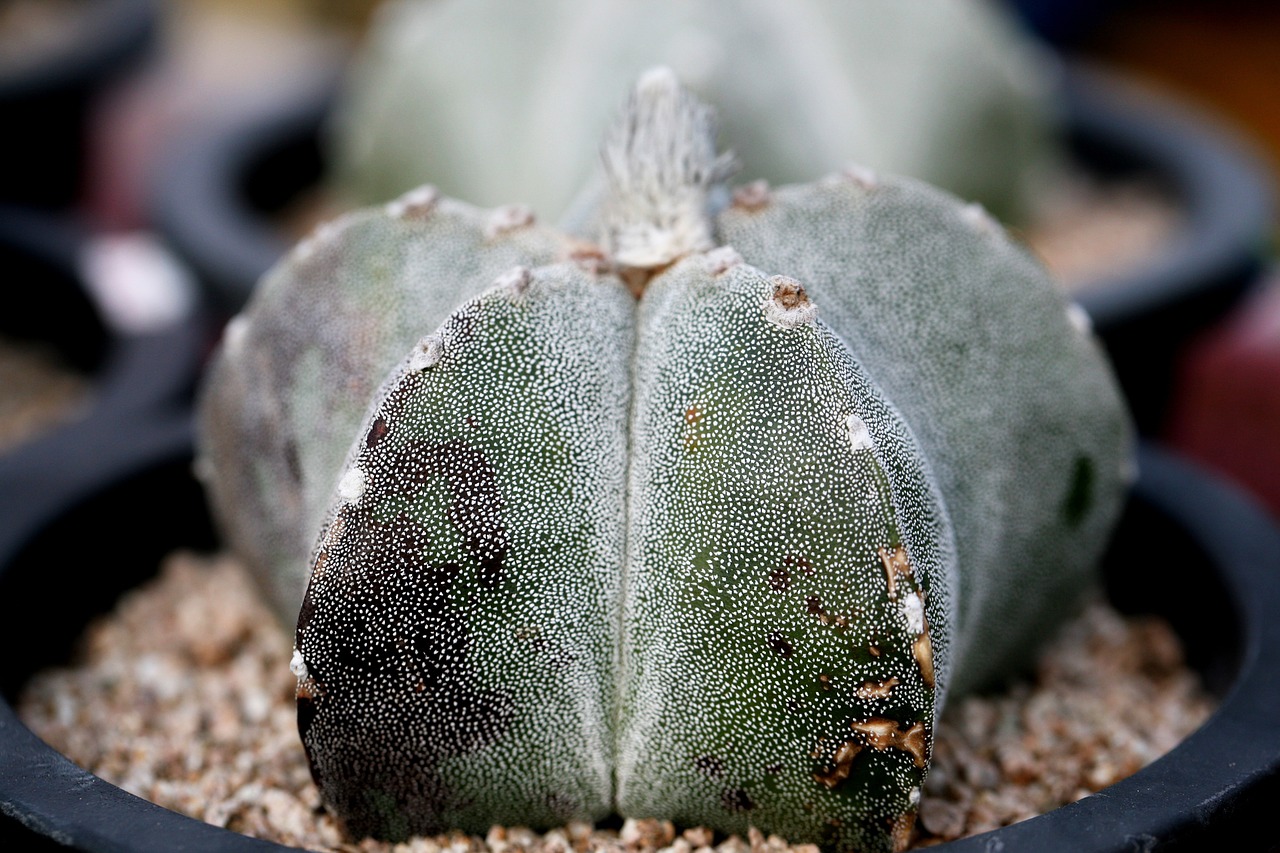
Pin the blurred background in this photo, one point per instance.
(160, 154)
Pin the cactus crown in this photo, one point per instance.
(660, 164)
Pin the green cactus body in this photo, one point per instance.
(297, 372)
(716, 554)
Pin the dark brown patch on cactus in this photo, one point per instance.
(877, 689)
(800, 562)
(840, 767)
(896, 565)
(813, 605)
(377, 430)
(562, 805)
(383, 623)
(922, 651)
(736, 800)
(306, 613)
(824, 681)
(780, 579)
(884, 734)
(476, 510)
(693, 420)
(752, 197)
(781, 645)
(308, 688)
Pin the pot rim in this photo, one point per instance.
(1224, 183)
(112, 34)
(1201, 791)
(1220, 176)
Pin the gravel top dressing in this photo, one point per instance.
(183, 696)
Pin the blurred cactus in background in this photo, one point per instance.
(494, 101)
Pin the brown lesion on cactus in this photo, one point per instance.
(801, 562)
(883, 734)
(780, 579)
(318, 569)
(877, 689)
(377, 431)
(752, 197)
(824, 682)
(840, 767)
(781, 644)
(896, 565)
(736, 800)
(337, 529)
(922, 650)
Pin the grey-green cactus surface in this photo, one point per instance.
(492, 100)
(698, 514)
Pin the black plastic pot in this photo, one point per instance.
(214, 199)
(132, 376)
(1189, 548)
(46, 103)
(1146, 315)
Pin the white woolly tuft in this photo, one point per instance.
(426, 354)
(516, 278)
(660, 164)
(416, 200)
(297, 665)
(722, 259)
(913, 609)
(859, 435)
(351, 486)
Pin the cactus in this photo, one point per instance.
(702, 519)
(491, 100)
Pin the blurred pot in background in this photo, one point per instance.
(58, 58)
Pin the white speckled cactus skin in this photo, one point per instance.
(491, 100)
(703, 522)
